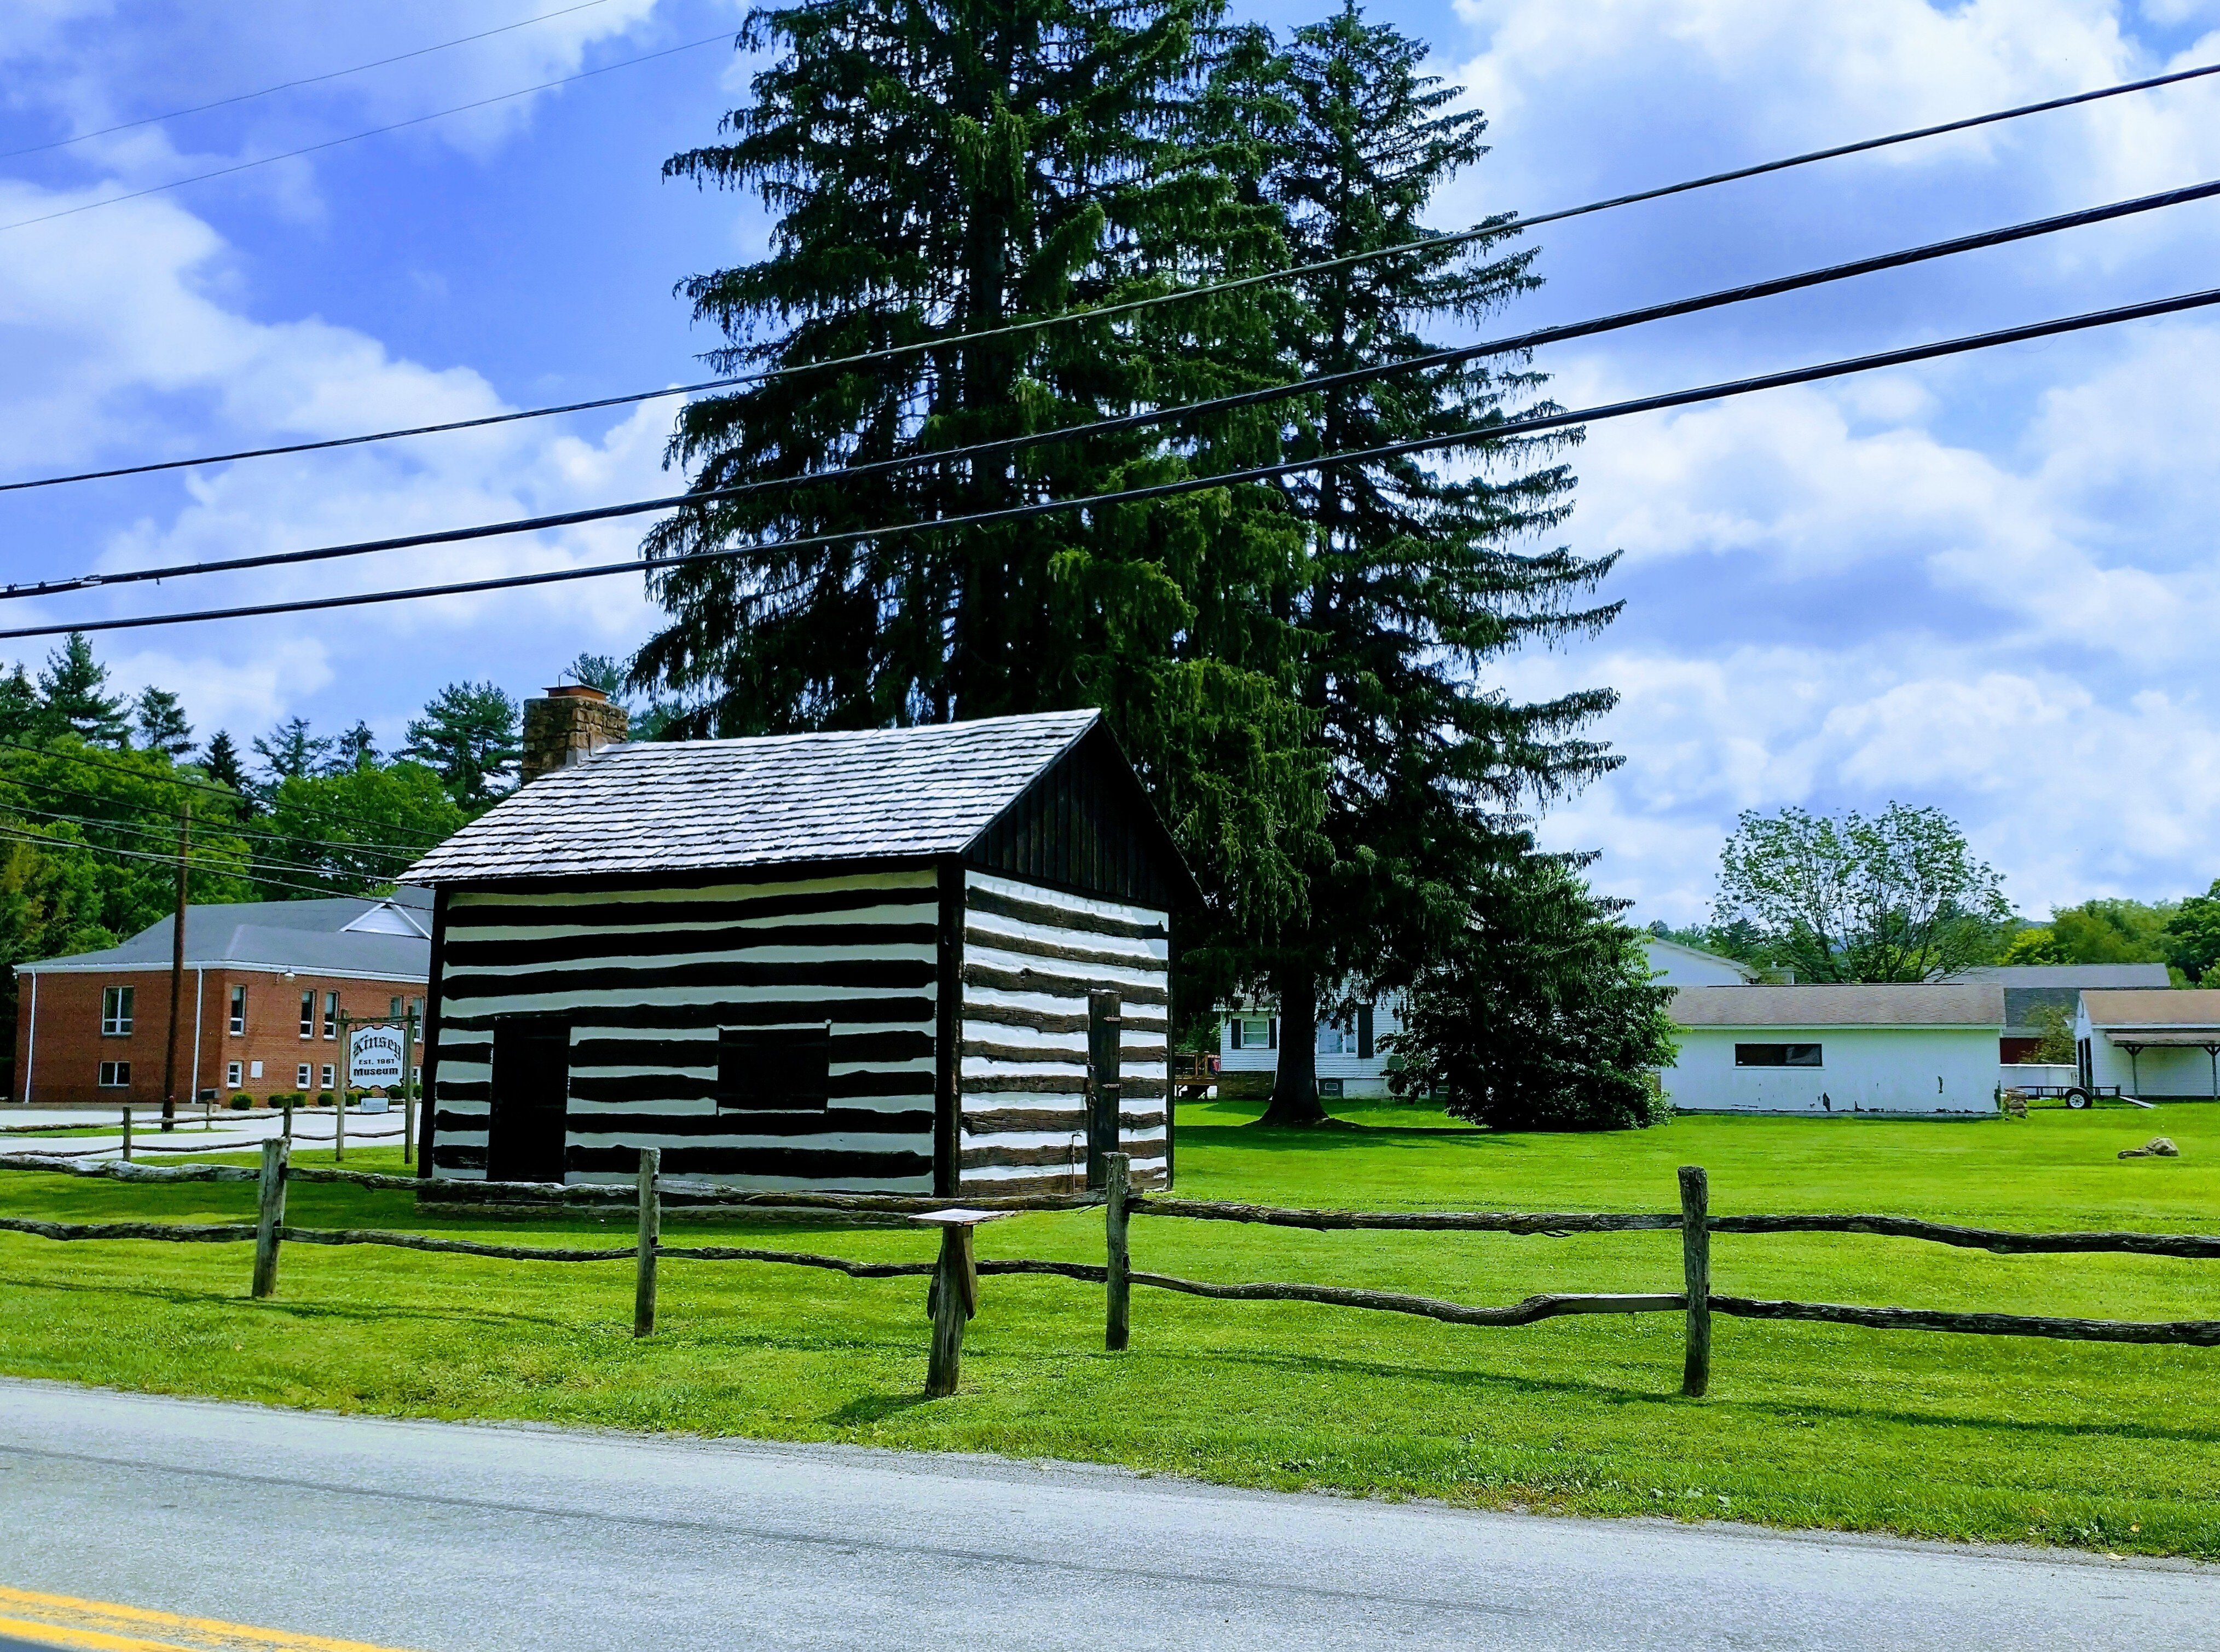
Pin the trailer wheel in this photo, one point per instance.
(2077, 1099)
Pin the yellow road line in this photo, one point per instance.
(102, 1626)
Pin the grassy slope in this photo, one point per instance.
(2108, 1447)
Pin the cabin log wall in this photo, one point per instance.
(1031, 955)
(648, 976)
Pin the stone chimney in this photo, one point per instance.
(568, 724)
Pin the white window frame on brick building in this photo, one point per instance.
(234, 1073)
(330, 1072)
(301, 1075)
(239, 1008)
(308, 1015)
(115, 1075)
(116, 1007)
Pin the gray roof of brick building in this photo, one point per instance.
(661, 806)
(366, 937)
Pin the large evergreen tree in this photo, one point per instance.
(289, 752)
(468, 737)
(936, 168)
(1415, 578)
(161, 723)
(73, 693)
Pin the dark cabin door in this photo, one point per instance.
(531, 1098)
(1105, 1028)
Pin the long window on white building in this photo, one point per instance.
(1777, 1055)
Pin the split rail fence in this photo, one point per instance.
(953, 1296)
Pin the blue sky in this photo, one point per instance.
(1988, 585)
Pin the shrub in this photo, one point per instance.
(356, 1098)
(241, 1102)
(1543, 1016)
(323, 1098)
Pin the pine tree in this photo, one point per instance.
(221, 763)
(289, 751)
(71, 694)
(468, 737)
(21, 713)
(935, 169)
(1411, 584)
(161, 723)
(356, 749)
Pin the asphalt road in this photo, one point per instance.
(455, 1537)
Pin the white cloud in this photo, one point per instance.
(72, 64)
(138, 354)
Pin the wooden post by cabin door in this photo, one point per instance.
(1105, 1025)
(530, 1098)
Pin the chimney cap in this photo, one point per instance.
(576, 691)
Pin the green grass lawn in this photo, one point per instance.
(2105, 1447)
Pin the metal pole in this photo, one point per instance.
(127, 1135)
(177, 976)
(407, 1105)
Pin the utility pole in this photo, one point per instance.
(177, 976)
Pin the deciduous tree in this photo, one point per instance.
(2192, 936)
(1899, 896)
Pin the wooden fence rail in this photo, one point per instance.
(652, 1195)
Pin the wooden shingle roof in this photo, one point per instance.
(654, 806)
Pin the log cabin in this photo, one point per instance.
(929, 960)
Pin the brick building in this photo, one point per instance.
(265, 982)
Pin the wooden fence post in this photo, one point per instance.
(270, 1217)
(955, 1299)
(127, 1135)
(1118, 1284)
(1696, 1267)
(651, 1236)
(289, 1117)
(339, 1126)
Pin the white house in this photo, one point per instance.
(2158, 1043)
(1914, 1050)
(1353, 1054)
(1675, 965)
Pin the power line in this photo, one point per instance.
(138, 830)
(1497, 431)
(36, 841)
(223, 828)
(181, 781)
(357, 137)
(1431, 361)
(1487, 227)
(289, 85)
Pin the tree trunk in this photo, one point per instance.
(1294, 1084)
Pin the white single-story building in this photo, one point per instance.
(2159, 1045)
(2032, 988)
(1912, 1049)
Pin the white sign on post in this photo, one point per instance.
(375, 1055)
